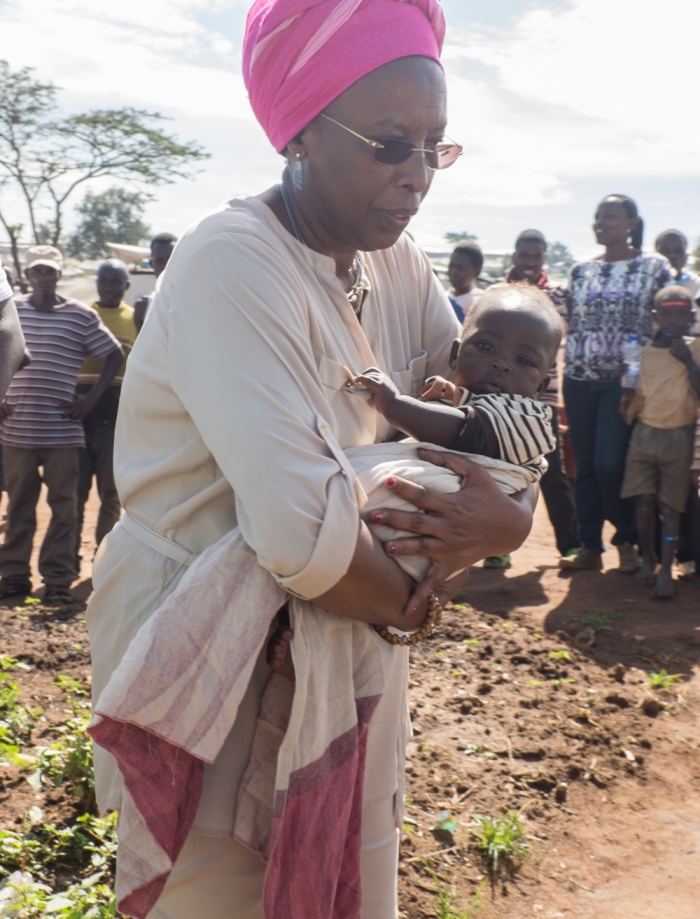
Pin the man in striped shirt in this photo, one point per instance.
(42, 426)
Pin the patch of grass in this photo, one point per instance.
(500, 839)
(600, 618)
(15, 720)
(663, 680)
(559, 656)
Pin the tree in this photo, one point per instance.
(454, 238)
(46, 157)
(559, 255)
(114, 215)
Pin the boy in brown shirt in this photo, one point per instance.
(660, 453)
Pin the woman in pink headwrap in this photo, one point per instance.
(236, 411)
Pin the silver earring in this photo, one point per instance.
(298, 173)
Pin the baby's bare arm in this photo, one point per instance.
(431, 422)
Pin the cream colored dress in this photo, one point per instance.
(235, 409)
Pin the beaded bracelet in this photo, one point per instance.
(427, 630)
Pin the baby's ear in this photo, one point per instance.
(453, 354)
(546, 380)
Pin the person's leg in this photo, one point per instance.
(646, 526)
(612, 437)
(675, 451)
(670, 522)
(110, 507)
(581, 398)
(213, 877)
(23, 489)
(86, 471)
(57, 555)
(559, 498)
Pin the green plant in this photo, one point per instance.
(39, 845)
(559, 656)
(499, 839)
(70, 685)
(68, 761)
(663, 680)
(15, 720)
(448, 903)
(90, 898)
(597, 619)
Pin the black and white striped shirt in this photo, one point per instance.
(515, 429)
(58, 340)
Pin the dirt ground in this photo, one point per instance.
(533, 700)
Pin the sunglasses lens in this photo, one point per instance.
(393, 152)
(445, 155)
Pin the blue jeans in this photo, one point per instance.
(600, 439)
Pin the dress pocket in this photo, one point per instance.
(411, 379)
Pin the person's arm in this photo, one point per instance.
(428, 421)
(457, 530)
(83, 405)
(140, 309)
(680, 350)
(12, 345)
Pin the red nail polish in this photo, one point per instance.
(391, 549)
(376, 517)
(412, 611)
(390, 482)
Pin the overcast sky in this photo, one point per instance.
(557, 103)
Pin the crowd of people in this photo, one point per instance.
(59, 416)
(624, 435)
(629, 400)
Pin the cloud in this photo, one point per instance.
(155, 54)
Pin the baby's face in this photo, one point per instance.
(674, 320)
(506, 351)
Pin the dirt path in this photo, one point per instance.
(529, 701)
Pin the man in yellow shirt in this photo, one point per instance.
(96, 457)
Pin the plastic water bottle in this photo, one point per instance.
(631, 354)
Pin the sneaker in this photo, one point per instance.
(582, 560)
(629, 558)
(14, 587)
(497, 561)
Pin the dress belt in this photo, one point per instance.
(157, 542)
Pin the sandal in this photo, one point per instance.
(55, 593)
(14, 587)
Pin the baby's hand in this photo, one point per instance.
(438, 390)
(380, 387)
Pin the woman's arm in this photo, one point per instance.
(455, 531)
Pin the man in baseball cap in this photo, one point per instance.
(42, 426)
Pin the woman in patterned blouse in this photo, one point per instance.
(610, 300)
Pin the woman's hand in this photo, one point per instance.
(456, 530)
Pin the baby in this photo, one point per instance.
(510, 340)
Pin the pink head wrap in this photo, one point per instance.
(300, 55)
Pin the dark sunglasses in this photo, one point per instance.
(391, 151)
